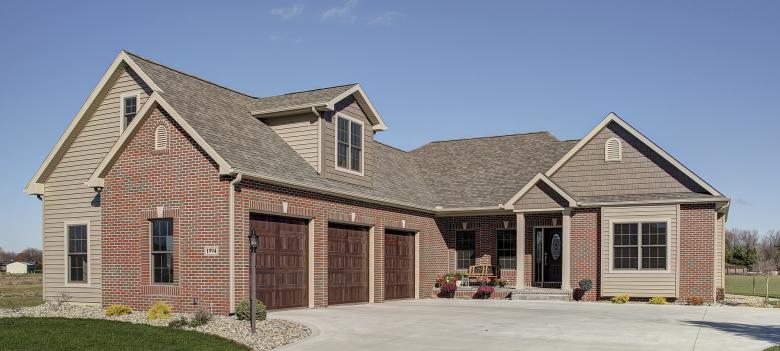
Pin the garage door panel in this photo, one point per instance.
(347, 264)
(282, 261)
(399, 265)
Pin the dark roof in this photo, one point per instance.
(457, 173)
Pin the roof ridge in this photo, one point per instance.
(495, 136)
(390, 146)
(309, 90)
(188, 74)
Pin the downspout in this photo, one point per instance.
(232, 243)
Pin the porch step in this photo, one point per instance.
(541, 294)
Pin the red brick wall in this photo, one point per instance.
(185, 182)
(697, 251)
(485, 228)
(585, 250)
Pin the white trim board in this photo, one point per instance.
(35, 185)
(532, 183)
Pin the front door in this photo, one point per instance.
(548, 258)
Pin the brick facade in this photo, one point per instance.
(585, 250)
(697, 251)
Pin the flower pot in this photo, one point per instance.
(451, 295)
(458, 283)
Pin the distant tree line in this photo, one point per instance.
(746, 248)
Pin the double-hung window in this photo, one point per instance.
(77, 253)
(640, 245)
(162, 250)
(349, 144)
(464, 246)
(506, 248)
(129, 108)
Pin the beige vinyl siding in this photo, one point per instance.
(720, 254)
(301, 132)
(641, 170)
(638, 283)
(350, 108)
(540, 197)
(67, 199)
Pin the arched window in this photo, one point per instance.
(613, 150)
(161, 138)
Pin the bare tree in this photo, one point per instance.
(31, 255)
(6, 256)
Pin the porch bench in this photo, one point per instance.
(478, 272)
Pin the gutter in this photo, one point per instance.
(232, 243)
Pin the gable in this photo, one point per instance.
(541, 197)
(642, 170)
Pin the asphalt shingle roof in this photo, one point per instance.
(459, 173)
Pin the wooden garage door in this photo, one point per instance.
(399, 265)
(347, 264)
(282, 261)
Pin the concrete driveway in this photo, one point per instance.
(530, 325)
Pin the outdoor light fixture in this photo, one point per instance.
(253, 277)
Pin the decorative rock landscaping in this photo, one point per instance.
(271, 333)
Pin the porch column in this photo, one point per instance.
(520, 271)
(566, 261)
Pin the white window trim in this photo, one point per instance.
(620, 150)
(66, 270)
(640, 270)
(122, 97)
(336, 144)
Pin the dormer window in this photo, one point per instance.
(613, 150)
(128, 108)
(349, 145)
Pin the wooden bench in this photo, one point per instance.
(476, 273)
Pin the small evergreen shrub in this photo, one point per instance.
(695, 300)
(243, 311)
(586, 285)
(658, 300)
(118, 310)
(201, 318)
(620, 299)
(160, 310)
(180, 322)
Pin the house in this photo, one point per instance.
(20, 268)
(152, 190)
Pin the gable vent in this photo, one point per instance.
(161, 138)
(613, 150)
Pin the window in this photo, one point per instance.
(613, 150)
(349, 144)
(161, 138)
(506, 249)
(464, 246)
(629, 238)
(162, 250)
(77, 253)
(129, 109)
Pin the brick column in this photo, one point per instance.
(520, 275)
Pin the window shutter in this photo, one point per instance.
(613, 150)
(160, 138)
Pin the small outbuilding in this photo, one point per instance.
(20, 268)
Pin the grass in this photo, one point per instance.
(773, 348)
(743, 285)
(21, 290)
(52, 334)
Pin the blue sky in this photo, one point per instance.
(700, 78)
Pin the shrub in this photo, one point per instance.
(180, 322)
(243, 311)
(621, 299)
(448, 289)
(586, 285)
(695, 300)
(201, 318)
(118, 310)
(160, 310)
(484, 291)
(658, 300)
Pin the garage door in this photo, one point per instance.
(399, 265)
(282, 261)
(347, 264)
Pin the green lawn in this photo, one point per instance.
(52, 334)
(20, 290)
(743, 285)
(773, 348)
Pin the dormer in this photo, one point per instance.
(331, 128)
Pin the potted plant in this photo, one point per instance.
(585, 286)
(448, 290)
(484, 291)
(502, 283)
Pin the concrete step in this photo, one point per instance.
(541, 294)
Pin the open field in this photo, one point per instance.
(89, 334)
(743, 285)
(20, 290)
